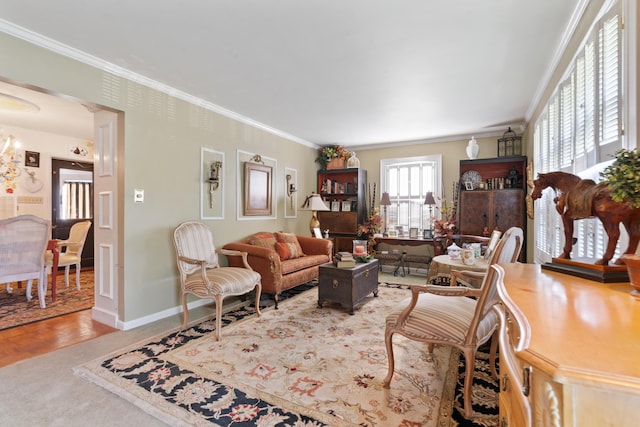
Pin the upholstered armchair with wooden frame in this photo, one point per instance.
(444, 315)
(201, 274)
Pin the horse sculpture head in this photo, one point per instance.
(538, 185)
(559, 181)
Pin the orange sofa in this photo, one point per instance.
(275, 257)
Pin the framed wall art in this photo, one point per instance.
(256, 176)
(32, 159)
(257, 190)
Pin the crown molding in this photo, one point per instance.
(85, 58)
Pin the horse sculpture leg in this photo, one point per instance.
(632, 224)
(613, 233)
(569, 241)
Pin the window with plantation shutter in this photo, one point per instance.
(609, 84)
(577, 131)
(407, 180)
(566, 133)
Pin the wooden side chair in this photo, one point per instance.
(444, 315)
(71, 253)
(201, 274)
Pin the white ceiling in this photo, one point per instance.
(354, 72)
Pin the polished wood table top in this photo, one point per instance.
(586, 330)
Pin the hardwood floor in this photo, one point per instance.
(25, 342)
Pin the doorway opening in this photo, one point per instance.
(72, 201)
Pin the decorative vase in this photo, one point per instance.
(632, 261)
(337, 163)
(473, 148)
(454, 251)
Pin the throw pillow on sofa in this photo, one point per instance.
(287, 251)
(264, 240)
(290, 238)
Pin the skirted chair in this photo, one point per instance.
(23, 242)
(445, 315)
(201, 274)
(71, 253)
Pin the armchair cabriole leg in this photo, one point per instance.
(388, 340)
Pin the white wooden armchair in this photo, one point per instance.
(201, 274)
(71, 253)
(444, 315)
(23, 242)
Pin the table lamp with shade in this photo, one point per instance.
(314, 203)
(429, 201)
(384, 202)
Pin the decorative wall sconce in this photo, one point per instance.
(291, 188)
(214, 179)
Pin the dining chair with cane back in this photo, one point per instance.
(445, 315)
(23, 242)
(71, 251)
(201, 274)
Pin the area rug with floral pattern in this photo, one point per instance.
(300, 365)
(16, 310)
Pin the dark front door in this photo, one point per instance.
(72, 201)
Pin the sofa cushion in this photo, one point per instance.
(290, 238)
(287, 251)
(264, 240)
(308, 261)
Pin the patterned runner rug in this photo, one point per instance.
(15, 310)
(299, 365)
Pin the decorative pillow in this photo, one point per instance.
(290, 238)
(287, 251)
(264, 240)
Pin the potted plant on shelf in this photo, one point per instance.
(332, 157)
(623, 178)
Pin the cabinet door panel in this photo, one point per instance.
(475, 208)
(508, 209)
(339, 222)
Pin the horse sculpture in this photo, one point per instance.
(578, 198)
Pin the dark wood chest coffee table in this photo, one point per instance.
(347, 286)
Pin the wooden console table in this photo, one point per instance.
(409, 241)
(569, 350)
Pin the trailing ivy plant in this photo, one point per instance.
(623, 177)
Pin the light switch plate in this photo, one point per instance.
(138, 196)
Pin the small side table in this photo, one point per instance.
(347, 286)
